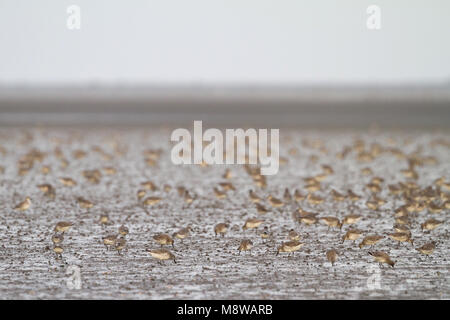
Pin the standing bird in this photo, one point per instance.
(352, 234)
(252, 223)
(151, 201)
(428, 248)
(370, 241)
(290, 246)
(292, 235)
(57, 238)
(221, 229)
(382, 257)
(431, 224)
(163, 239)
(162, 254)
(123, 230)
(24, 205)
(245, 245)
(350, 219)
(254, 197)
(63, 226)
(58, 250)
(261, 209)
(120, 244)
(401, 237)
(331, 222)
(182, 233)
(275, 202)
(332, 256)
(109, 241)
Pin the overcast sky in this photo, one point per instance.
(228, 41)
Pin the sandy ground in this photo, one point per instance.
(209, 267)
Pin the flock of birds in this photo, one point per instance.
(434, 198)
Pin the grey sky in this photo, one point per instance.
(229, 41)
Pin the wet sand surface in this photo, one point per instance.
(210, 267)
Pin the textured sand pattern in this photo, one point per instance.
(209, 267)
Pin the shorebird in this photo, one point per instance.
(187, 197)
(377, 180)
(350, 219)
(353, 196)
(337, 196)
(290, 246)
(109, 241)
(314, 199)
(227, 174)
(79, 154)
(109, 170)
(287, 195)
(352, 234)
(151, 201)
(120, 244)
(252, 223)
(428, 248)
(57, 238)
(394, 190)
(149, 185)
(245, 245)
(331, 222)
(382, 257)
(69, 182)
(45, 187)
(163, 239)
(401, 228)
(85, 204)
(140, 194)
(265, 233)
(307, 219)
(182, 233)
(275, 202)
(24, 205)
(227, 186)
(370, 241)
(63, 226)
(181, 190)
(292, 235)
(162, 254)
(447, 204)
(320, 177)
(401, 237)
(254, 197)
(332, 256)
(261, 209)
(123, 230)
(220, 194)
(431, 224)
(328, 170)
(373, 205)
(104, 219)
(298, 196)
(366, 171)
(434, 208)
(221, 229)
(58, 250)
(402, 220)
(401, 212)
(92, 176)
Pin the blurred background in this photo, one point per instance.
(255, 62)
